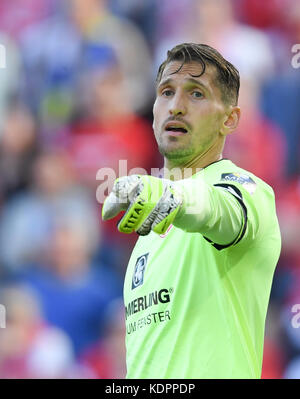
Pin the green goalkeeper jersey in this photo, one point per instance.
(195, 308)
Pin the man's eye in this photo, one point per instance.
(167, 93)
(197, 94)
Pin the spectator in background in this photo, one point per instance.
(96, 23)
(107, 358)
(258, 144)
(167, 14)
(281, 104)
(108, 130)
(29, 219)
(142, 13)
(54, 49)
(288, 280)
(30, 347)
(246, 47)
(289, 217)
(18, 148)
(213, 22)
(74, 292)
(281, 93)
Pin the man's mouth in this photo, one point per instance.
(175, 128)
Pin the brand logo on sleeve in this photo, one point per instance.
(241, 178)
(139, 271)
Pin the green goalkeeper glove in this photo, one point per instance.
(150, 204)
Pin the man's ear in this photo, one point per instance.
(230, 121)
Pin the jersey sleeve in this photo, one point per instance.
(230, 214)
(233, 208)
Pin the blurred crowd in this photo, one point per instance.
(76, 96)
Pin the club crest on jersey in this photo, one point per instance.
(139, 270)
(243, 179)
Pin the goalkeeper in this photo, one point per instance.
(198, 282)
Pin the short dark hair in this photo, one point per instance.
(228, 76)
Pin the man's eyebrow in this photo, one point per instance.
(165, 82)
(189, 80)
(198, 83)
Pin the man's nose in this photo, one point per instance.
(177, 105)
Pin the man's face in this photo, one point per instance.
(190, 103)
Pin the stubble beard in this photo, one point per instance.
(176, 153)
(180, 153)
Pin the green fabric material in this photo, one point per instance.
(193, 311)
